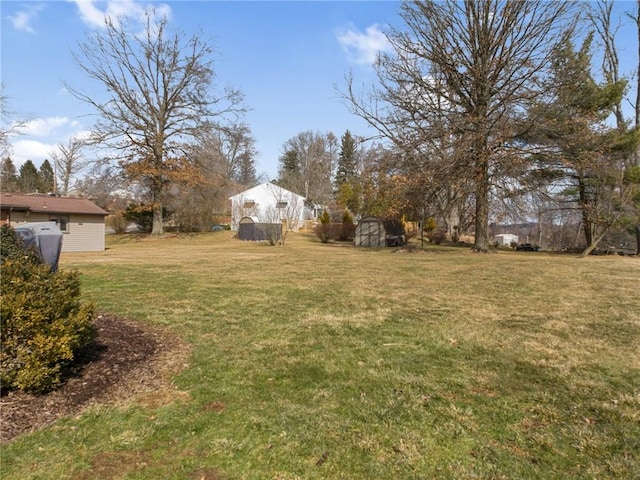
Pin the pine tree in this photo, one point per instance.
(8, 176)
(289, 162)
(46, 182)
(585, 151)
(28, 179)
(247, 171)
(346, 160)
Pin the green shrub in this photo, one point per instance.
(11, 248)
(42, 322)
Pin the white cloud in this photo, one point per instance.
(37, 152)
(39, 137)
(363, 48)
(94, 16)
(43, 127)
(22, 20)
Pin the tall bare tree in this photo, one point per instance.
(227, 150)
(307, 165)
(160, 93)
(456, 84)
(67, 161)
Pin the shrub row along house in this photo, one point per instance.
(81, 222)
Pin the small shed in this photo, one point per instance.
(374, 232)
(506, 239)
(249, 228)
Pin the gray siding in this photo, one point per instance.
(85, 233)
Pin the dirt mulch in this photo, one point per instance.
(126, 359)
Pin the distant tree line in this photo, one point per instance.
(28, 178)
(485, 113)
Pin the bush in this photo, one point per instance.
(438, 237)
(323, 229)
(142, 216)
(347, 228)
(117, 222)
(42, 322)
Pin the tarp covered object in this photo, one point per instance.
(251, 229)
(46, 237)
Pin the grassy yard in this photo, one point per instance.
(315, 361)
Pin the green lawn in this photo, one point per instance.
(325, 361)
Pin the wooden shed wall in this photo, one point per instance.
(370, 233)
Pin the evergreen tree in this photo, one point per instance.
(289, 162)
(346, 160)
(47, 178)
(289, 172)
(28, 179)
(8, 176)
(247, 171)
(583, 153)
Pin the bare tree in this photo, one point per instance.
(67, 161)
(106, 185)
(457, 82)
(8, 124)
(229, 151)
(307, 165)
(159, 95)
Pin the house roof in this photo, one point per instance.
(50, 204)
(267, 186)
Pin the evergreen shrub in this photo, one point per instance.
(43, 324)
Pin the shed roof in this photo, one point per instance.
(50, 204)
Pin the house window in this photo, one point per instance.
(282, 204)
(249, 204)
(62, 221)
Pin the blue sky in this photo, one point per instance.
(286, 57)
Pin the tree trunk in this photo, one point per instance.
(158, 224)
(481, 243)
(638, 239)
(158, 227)
(592, 246)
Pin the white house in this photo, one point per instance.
(269, 203)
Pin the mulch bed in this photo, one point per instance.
(126, 358)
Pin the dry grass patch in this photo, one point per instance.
(337, 362)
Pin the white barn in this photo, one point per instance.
(269, 203)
